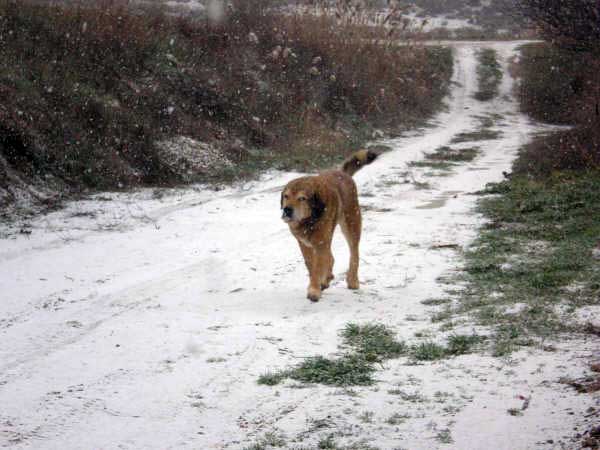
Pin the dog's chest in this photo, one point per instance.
(304, 241)
(302, 236)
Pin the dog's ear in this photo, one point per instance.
(317, 207)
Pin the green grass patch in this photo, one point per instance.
(446, 153)
(484, 134)
(532, 267)
(269, 440)
(365, 345)
(460, 344)
(367, 417)
(489, 74)
(271, 378)
(437, 165)
(444, 437)
(421, 185)
(397, 418)
(457, 344)
(349, 370)
(374, 342)
(427, 351)
(435, 301)
(329, 443)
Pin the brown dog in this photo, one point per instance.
(313, 206)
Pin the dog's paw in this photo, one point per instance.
(313, 295)
(325, 284)
(352, 283)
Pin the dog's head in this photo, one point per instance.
(301, 202)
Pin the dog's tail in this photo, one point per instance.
(358, 160)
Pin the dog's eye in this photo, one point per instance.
(286, 196)
(301, 199)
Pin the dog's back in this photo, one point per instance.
(341, 180)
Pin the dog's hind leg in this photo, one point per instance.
(328, 274)
(351, 228)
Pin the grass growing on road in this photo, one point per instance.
(374, 342)
(269, 440)
(367, 344)
(458, 344)
(349, 370)
(485, 134)
(438, 165)
(489, 74)
(532, 266)
(445, 158)
(446, 153)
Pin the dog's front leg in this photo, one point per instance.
(310, 259)
(320, 269)
(307, 253)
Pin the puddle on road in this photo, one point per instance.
(372, 208)
(440, 201)
(434, 204)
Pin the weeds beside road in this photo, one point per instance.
(94, 97)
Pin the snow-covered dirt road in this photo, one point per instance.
(143, 320)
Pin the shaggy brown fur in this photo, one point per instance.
(313, 206)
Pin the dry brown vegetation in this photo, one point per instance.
(86, 92)
(560, 84)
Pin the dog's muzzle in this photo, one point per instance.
(287, 214)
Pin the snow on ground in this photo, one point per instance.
(430, 23)
(143, 321)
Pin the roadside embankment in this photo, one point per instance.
(108, 98)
